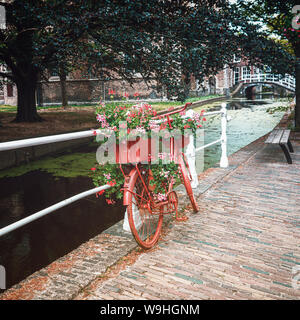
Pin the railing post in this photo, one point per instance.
(191, 159)
(190, 154)
(224, 159)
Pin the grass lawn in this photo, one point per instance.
(59, 120)
(158, 105)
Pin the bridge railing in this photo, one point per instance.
(288, 81)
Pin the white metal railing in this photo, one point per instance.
(223, 138)
(287, 82)
(17, 144)
(5, 146)
(50, 209)
(191, 150)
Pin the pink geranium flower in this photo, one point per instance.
(107, 176)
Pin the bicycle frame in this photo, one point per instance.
(128, 185)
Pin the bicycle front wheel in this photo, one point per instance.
(145, 225)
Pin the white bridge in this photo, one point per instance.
(288, 82)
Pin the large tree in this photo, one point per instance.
(37, 35)
(157, 39)
(275, 17)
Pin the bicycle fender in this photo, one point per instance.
(129, 184)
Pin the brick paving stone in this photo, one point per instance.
(243, 243)
(67, 276)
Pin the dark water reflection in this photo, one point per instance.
(34, 246)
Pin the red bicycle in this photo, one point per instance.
(145, 211)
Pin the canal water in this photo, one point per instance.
(249, 121)
(39, 184)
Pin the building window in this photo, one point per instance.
(236, 75)
(267, 69)
(91, 74)
(246, 72)
(10, 90)
(54, 75)
(236, 59)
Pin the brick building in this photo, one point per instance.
(225, 80)
(88, 89)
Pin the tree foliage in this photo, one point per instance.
(277, 16)
(157, 39)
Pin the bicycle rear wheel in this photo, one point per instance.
(186, 177)
(144, 223)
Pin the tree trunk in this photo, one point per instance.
(64, 97)
(26, 111)
(297, 106)
(39, 93)
(186, 79)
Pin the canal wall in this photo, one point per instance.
(201, 103)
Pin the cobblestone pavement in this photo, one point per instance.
(243, 244)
